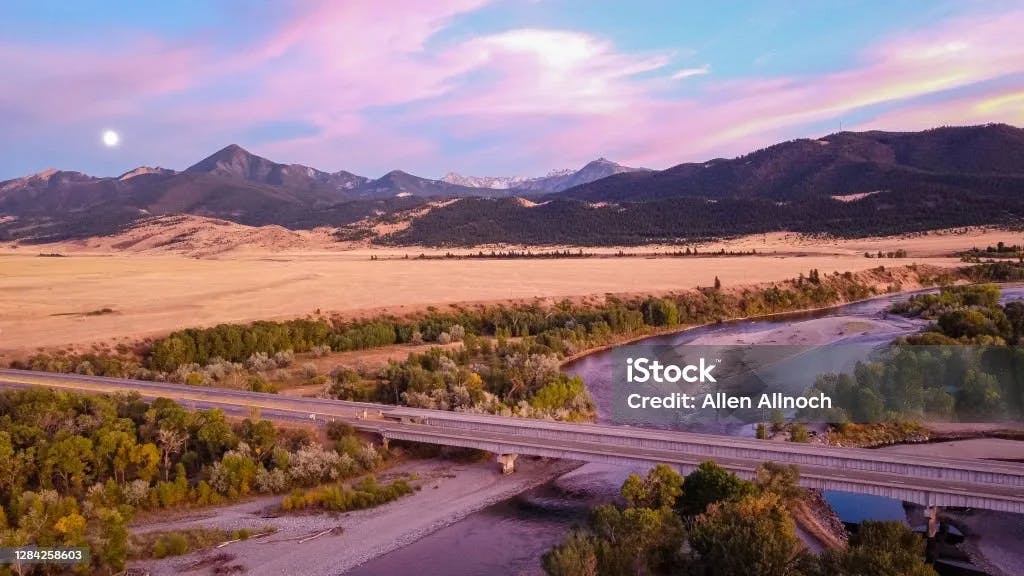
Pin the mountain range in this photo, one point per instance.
(231, 184)
(555, 181)
(847, 184)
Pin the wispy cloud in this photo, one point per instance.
(382, 85)
(691, 72)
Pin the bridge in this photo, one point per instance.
(929, 481)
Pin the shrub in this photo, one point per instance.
(309, 370)
(172, 544)
(284, 358)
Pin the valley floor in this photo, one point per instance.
(83, 299)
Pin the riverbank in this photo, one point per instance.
(906, 287)
(448, 491)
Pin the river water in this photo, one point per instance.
(509, 538)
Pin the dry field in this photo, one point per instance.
(46, 301)
(151, 288)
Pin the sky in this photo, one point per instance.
(502, 87)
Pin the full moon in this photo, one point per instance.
(111, 138)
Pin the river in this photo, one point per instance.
(509, 538)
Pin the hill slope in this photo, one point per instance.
(846, 184)
(475, 221)
(840, 164)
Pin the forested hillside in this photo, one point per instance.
(986, 158)
(917, 207)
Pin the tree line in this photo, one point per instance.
(967, 365)
(565, 254)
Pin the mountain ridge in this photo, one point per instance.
(554, 181)
(840, 163)
(847, 183)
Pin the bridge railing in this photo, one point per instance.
(711, 447)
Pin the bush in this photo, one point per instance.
(338, 430)
(309, 370)
(172, 544)
(365, 494)
(284, 358)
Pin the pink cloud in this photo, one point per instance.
(994, 105)
(737, 116)
(546, 97)
(61, 85)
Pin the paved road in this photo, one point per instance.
(926, 480)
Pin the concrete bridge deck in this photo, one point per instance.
(927, 481)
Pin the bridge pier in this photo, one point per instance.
(932, 514)
(507, 463)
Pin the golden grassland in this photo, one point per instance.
(56, 301)
(91, 296)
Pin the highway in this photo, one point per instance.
(927, 481)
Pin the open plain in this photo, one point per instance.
(96, 292)
(87, 297)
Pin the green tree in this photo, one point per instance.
(115, 448)
(1015, 317)
(109, 544)
(752, 535)
(662, 486)
(779, 479)
(636, 540)
(146, 460)
(778, 420)
(15, 466)
(576, 556)
(261, 436)
(879, 549)
(214, 434)
(70, 460)
(660, 312)
(710, 483)
(979, 397)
